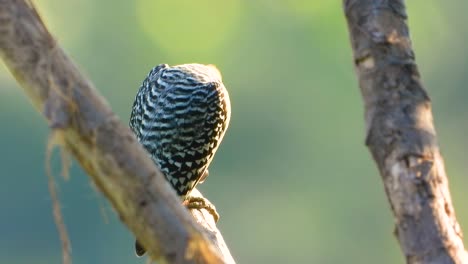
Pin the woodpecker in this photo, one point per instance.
(180, 116)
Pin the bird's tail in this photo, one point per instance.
(139, 250)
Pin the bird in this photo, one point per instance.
(180, 116)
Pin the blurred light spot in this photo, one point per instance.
(431, 27)
(68, 21)
(312, 9)
(301, 10)
(188, 28)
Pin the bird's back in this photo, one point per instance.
(180, 115)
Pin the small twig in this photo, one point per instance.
(57, 212)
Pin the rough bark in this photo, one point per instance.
(105, 148)
(401, 134)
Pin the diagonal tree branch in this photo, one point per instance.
(401, 134)
(105, 148)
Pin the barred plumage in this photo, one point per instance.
(180, 115)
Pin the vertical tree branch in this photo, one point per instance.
(105, 148)
(401, 134)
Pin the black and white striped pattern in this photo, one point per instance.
(180, 115)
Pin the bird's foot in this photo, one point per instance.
(196, 202)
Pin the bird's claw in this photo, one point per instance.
(193, 202)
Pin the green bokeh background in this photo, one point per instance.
(293, 181)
